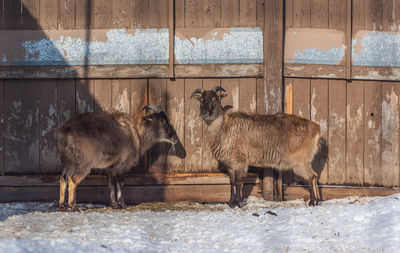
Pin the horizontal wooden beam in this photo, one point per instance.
(132, 71)
(314, 71)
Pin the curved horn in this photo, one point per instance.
(196, 92)
(149, 107)
(218, 88)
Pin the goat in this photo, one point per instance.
(241, 140)
(114, 142)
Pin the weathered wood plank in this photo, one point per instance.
(212, 13)
(132, 194)
(140, 14)
(230, 13)
(158, 13)
(247, 13)
(66, 14)
(12, 14)
(302, 97)
(48, 127)
(179, 13)
(372, 133)
(101, 14)
(158, 153)
(337, 131)
(373, 15)
(30, 14)
(121, 95)
(358, 16)
(193, 14)
(82, 17)
(248, 95)
(261, 103)
(129, 71)
(355, 133)
(260, 14)
(319, 114)
(176, 113)
(121, 13)
(288, 100)
(301, 13)
(102, 95)
(209, 163)
(390, 134)
(337, 14)
(193, 129)
(319, 14)
(314, 71)
(48, 14)
(273, 54)
(85, 96)
(21, 140)
(289, 14)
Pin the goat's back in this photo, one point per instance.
(271, 140)
(94, 136)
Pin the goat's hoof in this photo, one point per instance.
(63, 207)
(232, 204)
(115, 206)
(313, 203)
(74, 208)
(122, 205)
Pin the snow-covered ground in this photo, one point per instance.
(345, 225)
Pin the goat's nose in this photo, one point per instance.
(204, 113)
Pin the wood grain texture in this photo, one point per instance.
(372, 133)
(12, 14)
(101, 14)
(319, 14)
(358, 16)
(85, 96)
(230, 13)
(231, 85)
(355, 133)
(21, 140)
(260, 14)
(158, 13)
(390, 133)
(83, 12)
(102, 95)
(212, 13)
(193, 14)
(66, 14)
(193, 128)
(247, 13)
(48, 123)
(301, 13)
(248, 95)
(301, 98)
(121, 95)
(289, 14)
(373, 15)
(121, 13)
(179, 13)
(337, 131)
(48, 14)
(140, 14)
(337, 14)
(30, 14)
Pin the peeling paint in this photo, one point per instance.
(219, 46)
(390, 116)
(235, 98)
(253, 103)
(371, 48)
(120, 46)
(122, 101)
(314, 46)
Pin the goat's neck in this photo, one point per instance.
(216, 125)
(146, 140)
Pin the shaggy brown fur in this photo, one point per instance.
(114, 142)
(241, 140)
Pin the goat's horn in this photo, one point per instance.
(218, 88)
(196, 92)
(149, 107)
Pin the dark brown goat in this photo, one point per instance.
(114, 142)
(241, 140)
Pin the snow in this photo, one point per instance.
(343, 225)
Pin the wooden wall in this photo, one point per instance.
(358, 118)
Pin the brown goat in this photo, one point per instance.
(114, 142)
(241, 140)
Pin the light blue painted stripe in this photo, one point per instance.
(332, 56)
(377, 49)
(240, 45)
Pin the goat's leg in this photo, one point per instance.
(63, 187)
(316, 189)
(231, 173)
(73, 182)
(239, 176)
(120, 198)
(306, 172)
(112, 185)
(278, 190)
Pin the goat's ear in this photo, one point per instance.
(220, 97)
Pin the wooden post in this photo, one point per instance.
(273, 69)
(348, 39)
(171, 18)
